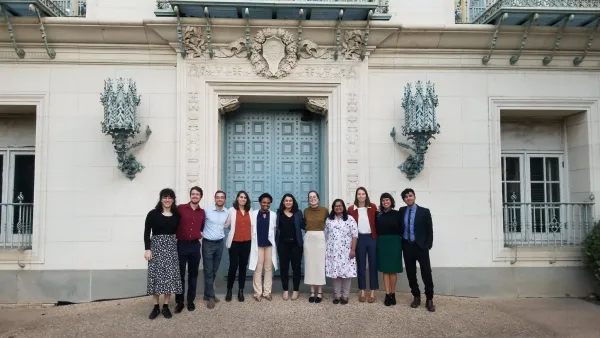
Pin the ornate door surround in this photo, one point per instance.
(204, 86)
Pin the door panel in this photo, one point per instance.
(270, 150)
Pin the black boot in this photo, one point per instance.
(393, 298)
(241, 295)
(387, 300)
(416, 302)
(228, 296)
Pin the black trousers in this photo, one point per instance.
(239, 252)
(290, 252)
(413, 253)
(189, 255)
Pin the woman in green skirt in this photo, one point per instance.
(389, 245)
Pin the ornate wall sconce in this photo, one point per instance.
(420, 125)
(121, 123)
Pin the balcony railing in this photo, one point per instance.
(72, 7)
(547, 224)
(16, 225)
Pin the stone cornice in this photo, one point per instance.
(154, 40)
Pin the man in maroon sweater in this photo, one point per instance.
(189, 234)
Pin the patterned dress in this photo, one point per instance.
(339, 235)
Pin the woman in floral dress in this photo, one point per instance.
(341, 234)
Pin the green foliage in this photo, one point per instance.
(591, 251)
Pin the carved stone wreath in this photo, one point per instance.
(274, 53)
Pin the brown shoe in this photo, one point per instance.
(362, 298)
(371, 299)
(210, 304)
(268, 297)
(217, 300)
(257, 298)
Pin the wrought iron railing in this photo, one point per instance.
(476, 8)
(16, 225)
(382, 7)
(72, 7)
(547, 224)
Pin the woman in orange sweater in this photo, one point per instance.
(363, 211)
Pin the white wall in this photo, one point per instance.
(532, 135)
(94, 214)
(17, 131)
(578, 157)
(456, 181)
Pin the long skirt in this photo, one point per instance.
(163, 268)
(314, 258)
(389, 253)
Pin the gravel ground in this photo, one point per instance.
(455, 317)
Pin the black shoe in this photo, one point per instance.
(336, 301)
(166, 312)
(393, 298)
(429, 305)
(178, 307)
(416, 302)
(344, 301)
(388, 300)
(191, 306)
(241, 295)
(311, 299)
(319, 298)
(228, 296)
(155, 312)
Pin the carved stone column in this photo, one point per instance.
(318, 105)
(228, 104)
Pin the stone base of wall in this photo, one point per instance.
(93, 285)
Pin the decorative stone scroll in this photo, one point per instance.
(194, 42)
(228, 104)
(318, 105)
(352, 44)
(274, 53)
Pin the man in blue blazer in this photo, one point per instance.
(417, 240)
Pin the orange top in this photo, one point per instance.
(242, 227)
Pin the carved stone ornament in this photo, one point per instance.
(352, 44)
(318, 105)
(274, 53)
(228, 104)
(194, 42)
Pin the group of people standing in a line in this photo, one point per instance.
(337, 244)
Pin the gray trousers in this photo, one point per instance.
(211, 255)
(341, 287)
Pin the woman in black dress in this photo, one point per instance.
(161, 252)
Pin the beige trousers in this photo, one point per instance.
(264, 261)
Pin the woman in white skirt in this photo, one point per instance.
(161, 252)
(314, 246)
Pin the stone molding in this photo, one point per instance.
(318, 105)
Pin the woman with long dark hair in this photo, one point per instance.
(289, 242)
(239, 242)
(314, 246)
(389, 246)
(364, 212)
(341, 234)
(161, 252)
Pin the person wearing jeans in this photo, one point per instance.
(364, 212)
(263, 248)
(189, 234)
(290, 222)
(212, 246)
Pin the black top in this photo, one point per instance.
(159, 224)
(389, 223)
(287, 229)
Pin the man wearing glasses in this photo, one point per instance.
(212, 248)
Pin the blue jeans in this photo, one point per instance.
(211, 252)
(366, 251)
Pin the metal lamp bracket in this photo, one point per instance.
(546, 61)
(248, 40)
(579, 59)
(19, 51)
(299, 38)
(487, 58)
(179, 32)
(211, 53)
(515, 58)
(50, 51)
(338, 33)
(366, 42)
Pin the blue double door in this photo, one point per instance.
(274, 149)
